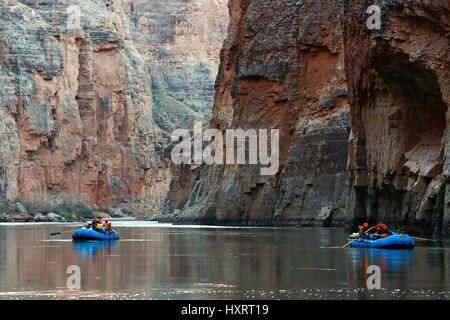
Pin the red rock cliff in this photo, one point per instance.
(76, 108)
(282, 67)
(90, 91)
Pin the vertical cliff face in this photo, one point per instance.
(399, 93)
(180, 41)
(281, 68)
(76, 105)
(91, 90)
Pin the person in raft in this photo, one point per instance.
(96, 225)
(362, 229)
(381, 230)
(104, 227)
(92, 225)
(108, 228)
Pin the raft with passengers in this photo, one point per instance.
(96, 231)
(381, 238)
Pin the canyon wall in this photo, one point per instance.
(180, 41)
(76, 106)
(282, 67)
(91, 90)
(399, 93)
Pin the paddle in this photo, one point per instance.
(415, 238)
(369, 229)
(356, 239)
(59, 233)
(117, 234)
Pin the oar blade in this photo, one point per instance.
(422, 239)
(60, 233)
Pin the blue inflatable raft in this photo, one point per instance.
(396, 241)
(89, 234)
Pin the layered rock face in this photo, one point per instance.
(180, 41)
(282, 67)
(399, 93)
(76, 105)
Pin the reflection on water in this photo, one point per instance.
(391, 261)
(179, 262)
(94, 250)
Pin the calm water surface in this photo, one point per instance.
(161, 261)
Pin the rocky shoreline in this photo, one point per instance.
(64, 212)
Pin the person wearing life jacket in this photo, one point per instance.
(92, 225)
(108, 227)
(98, 225)
(104, 226)
(380, 226)
(382, 230)
(385, 235)
(363, 228)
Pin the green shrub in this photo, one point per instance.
(8, 208)
(66, 206)
(85, 212)
(69, 211)
(63, 211)
(440, 200)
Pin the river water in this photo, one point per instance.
(162, 261)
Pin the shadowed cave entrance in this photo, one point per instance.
(405, 123)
